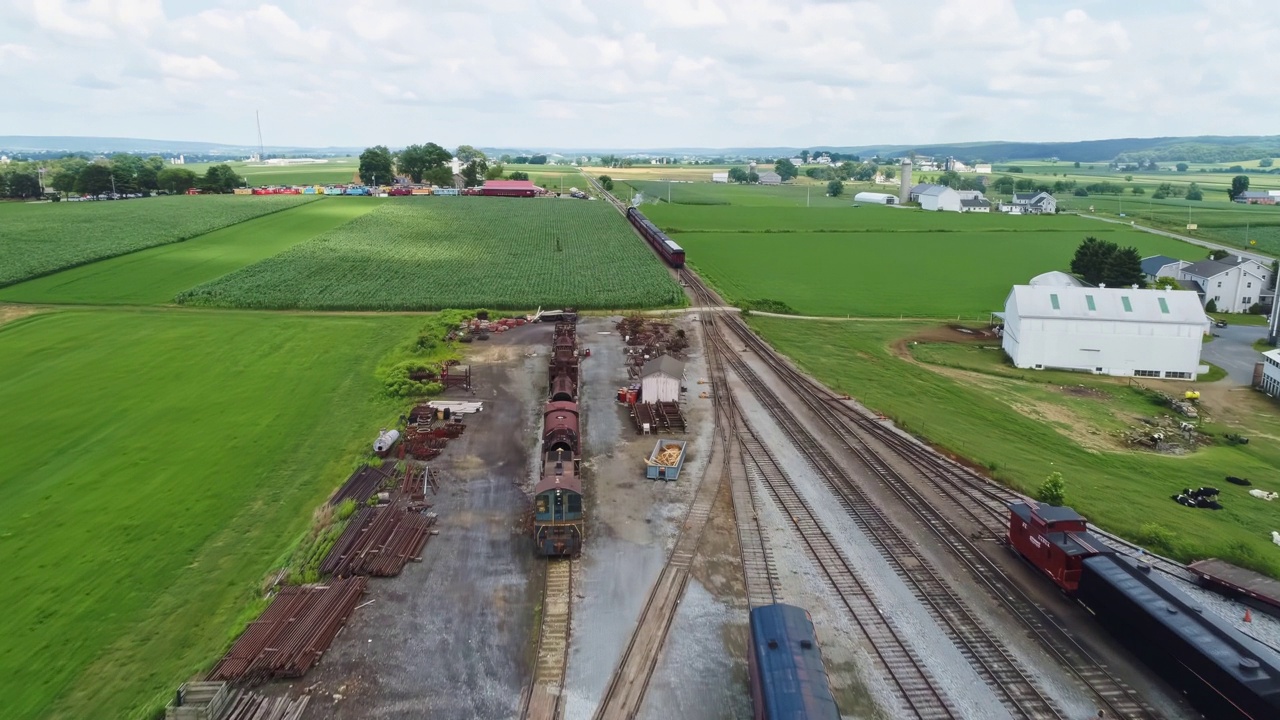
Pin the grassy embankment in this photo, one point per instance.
(1022, 425)
(158, 464)
(157, 274)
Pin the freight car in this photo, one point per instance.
(672, 253)
(1223, 672)
(788, 679)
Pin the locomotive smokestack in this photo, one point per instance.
(904, 183)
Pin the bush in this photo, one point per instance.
(1256, 309)
(1157, 538)
(1080, 192)
(1053, 490)
(1211, 306)
(346, 509)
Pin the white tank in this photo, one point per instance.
(385, 440)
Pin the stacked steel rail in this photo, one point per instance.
(1118, 696)
(378, 542)
(291, 635)
(362, 484)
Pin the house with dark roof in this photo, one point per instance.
(1234, 283)
(1162, 266)
(977, 204)
(1036, 203)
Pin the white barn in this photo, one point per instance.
(876, 198)
(660, 379)
(939, 197)
(1105, 331)
(1270, 381)
(720, 177)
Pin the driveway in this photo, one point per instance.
(1232, 350)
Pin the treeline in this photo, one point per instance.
(122, 174)
(432, 163)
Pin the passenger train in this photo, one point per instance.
(665, 246)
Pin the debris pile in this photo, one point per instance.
(379, 542)
(646, 338)
(1166, 434)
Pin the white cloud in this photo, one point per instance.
(651, 73)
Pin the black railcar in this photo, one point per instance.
(672, 253)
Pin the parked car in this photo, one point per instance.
(1220, 323)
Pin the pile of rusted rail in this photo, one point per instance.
(658, 416)
(362, 484)
(379, 542)
(252, 706)
(648, 337)
(425, 441)
(292, 634)
(417, 480)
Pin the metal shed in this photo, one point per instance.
(660, 379)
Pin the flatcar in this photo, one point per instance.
(672, 253)
(1223, 672)
(788, 678)
(558, 520)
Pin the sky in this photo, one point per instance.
(640, 73)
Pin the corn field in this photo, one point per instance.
(433, 253)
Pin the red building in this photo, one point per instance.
(1054, 539)
(510, 188)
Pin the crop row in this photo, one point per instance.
(432, 253)
(40, 238)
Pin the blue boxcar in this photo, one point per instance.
(788, 679)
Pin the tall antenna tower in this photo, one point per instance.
(262, 155)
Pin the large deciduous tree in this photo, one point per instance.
(1104, 262)
(94, 179)
(176, 179)
(416, 160)
(220, 178)
(835, 188)
(1091, 259)
(1239, 184)
(467, 154)
(64, 181)
(439, 176)
(785, 169)
(1124, 269)
(737, 175)
(375, 162)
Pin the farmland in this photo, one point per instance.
(157, 463)
(883, 261)
(429, 253)
(37, 239)
(1022, 426)
(705, 193)
(334, 171)
(157, 274)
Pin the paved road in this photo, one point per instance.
(1232, 350)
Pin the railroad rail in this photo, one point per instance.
(544, 698)
(1118, 696)
(630, 680)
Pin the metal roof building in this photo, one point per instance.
(1105, 331)
(660, 379)
(510, 188)
(876, 198)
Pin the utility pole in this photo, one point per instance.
(668, 192)
(806, 195)
(113, 184)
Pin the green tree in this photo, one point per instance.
(1024, 185)
(785, 169)
(23, 185)
(888, 172)
(493, 173)
(1181, 167)
(1076, 164)
(1166, 281)
(521, 175)
(1211, 306)
(94, 179)
(220, 179)
(1139, 191)
(1091, 257)
(440, 176)
(1003, 184)
(473, 173)
(865, 172)
(1218, 254)
(416, 160)
(1194, 192)
(753, 177)
(804, 156)
(542, 160)
(176, 179)
(64, 181)
(1124, 269)
(1239, 184)
(605, 181)
(375, 163)
(466, 154)
(737, 175)
(1264, 162)
(835, 188)
(1053, 490)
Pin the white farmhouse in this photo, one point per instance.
(660, 379)
(937, 197)
(720, 177)
(1105, 331)
(1035, 203)
(1270, 382)
(876, 198)
(1233, 283)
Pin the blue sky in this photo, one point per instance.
(642, 73)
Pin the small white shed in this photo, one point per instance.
(660, 379)
(720, 177)
(876, 198)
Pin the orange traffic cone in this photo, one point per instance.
(1248, 616)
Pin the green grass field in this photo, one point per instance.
(157, 463)
(334, 171)
(707, 193)
(40, 238)
(431, 253)
(157, 274)
(888, 262)
(994, 419)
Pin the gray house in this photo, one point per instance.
(769, 177)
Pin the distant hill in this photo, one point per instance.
(69, 143)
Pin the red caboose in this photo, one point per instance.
(1054, 539)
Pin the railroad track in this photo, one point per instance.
(544, 699)
(630, 680)
(988, 657)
